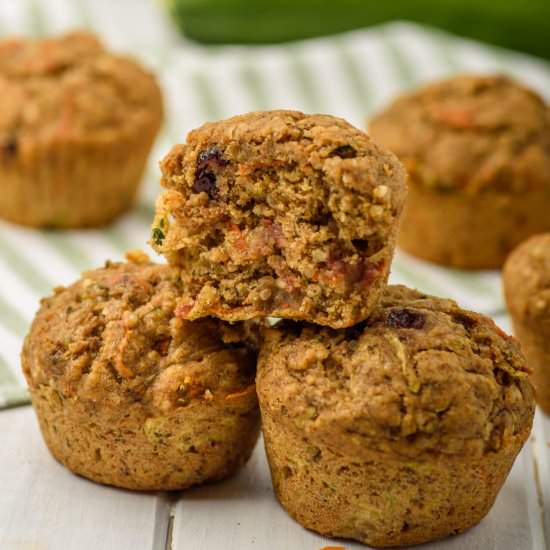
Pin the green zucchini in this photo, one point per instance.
(517, 24)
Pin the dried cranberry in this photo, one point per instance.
(206, 184)
(344, 152)
(405, 318)
(209, 162)
(9, 147)
(212, 155)
(467, 322)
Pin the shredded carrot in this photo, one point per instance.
(183, 310)
(247, 168)
(457, 118)
(241, 392)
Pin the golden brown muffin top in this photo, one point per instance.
(470, 133)
(324, 147)
(71, 88)
(115, 337)
(423, 376)
(526, 278)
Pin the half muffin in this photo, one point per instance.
(280, 214)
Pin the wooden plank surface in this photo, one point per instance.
(243, 514)
(44, 507)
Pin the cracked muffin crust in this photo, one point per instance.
(76, 126)
(396, 431)
(280, 213)
(477, 150)
(129, 394)
(526, 280)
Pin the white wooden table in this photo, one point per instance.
(45, 507)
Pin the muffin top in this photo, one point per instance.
(323, 172)
(470, 133)
(320, 147)
(422, 376)
(114, 337)
(526, 278)
(69, 88)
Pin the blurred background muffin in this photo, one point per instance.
(477, 150)
(128, 394)
(76, 127)
(526, 279)
(398, 431)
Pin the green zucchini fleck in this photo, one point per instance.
(158, 235)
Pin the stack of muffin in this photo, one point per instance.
(389, 416)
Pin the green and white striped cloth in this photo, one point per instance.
(350, 75)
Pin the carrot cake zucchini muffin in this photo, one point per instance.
(129, 394)
(76, 126)
(526, 278)
(477, 150)
(280, 213)
(394, 432)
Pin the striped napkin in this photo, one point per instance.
(350, 75)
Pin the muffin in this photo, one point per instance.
(76, 127)
(477, 150)
(395, 432)
(129, 394)
(280, 213)
(526, 279)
